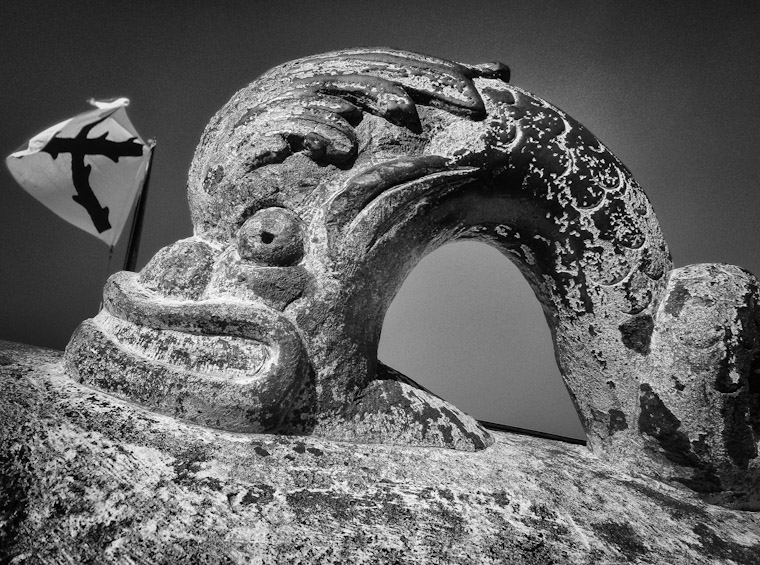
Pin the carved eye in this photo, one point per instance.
(272, 236)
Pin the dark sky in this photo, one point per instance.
(671, 88)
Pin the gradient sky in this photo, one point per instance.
(671, 88)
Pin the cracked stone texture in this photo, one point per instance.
(316, 189)
(89, 478)
(313, 193)
(699, 402)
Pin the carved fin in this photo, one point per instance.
(376, 95)
(326, 137)
(298, 100)
(428, 80)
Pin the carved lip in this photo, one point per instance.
(218, 357)
(216, 331)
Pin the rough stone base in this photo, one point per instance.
(86, 478)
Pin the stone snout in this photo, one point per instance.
(199, 335)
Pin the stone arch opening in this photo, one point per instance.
(466, 325)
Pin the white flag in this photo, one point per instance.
(88, 169)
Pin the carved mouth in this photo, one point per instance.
(224, 358)
(126, 298)
(234, 366)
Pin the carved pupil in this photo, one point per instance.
(271, 237)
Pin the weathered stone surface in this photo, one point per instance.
(699, 404)
(199, 416)
(89, 478)
(318, 187)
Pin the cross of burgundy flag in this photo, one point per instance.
(88, 169)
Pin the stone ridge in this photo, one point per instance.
(89, 478)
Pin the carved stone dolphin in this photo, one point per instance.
(316, 190)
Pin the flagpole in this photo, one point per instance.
(130, 261)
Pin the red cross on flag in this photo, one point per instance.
(88, 169)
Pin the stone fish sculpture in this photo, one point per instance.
(316, 190)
